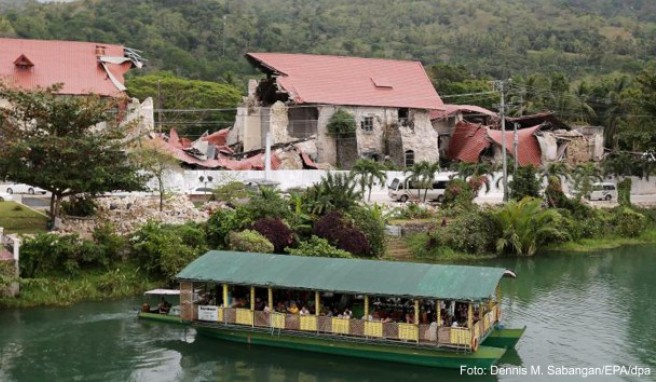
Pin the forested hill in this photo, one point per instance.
(206, 39)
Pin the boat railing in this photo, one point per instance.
(426, 334)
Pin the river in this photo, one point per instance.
(584, 310)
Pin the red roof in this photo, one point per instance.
(468, 141)
(73, 63)
(528, 148)
(338, 80)
(449, 110)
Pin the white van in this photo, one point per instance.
(402, 190)
(604, 191)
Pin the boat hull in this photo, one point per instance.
(403, 353)
(503, 337)
(160, 318)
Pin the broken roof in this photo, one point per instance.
(537, 119)
(469, 140)
(339, 80)
(450, 110)
(82, 67)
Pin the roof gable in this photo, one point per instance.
(353, 81)
(77, 65)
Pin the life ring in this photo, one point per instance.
(474, 344)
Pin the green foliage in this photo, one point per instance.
(459, 193)
(163, 250)
(624, 192)
(410, 211)
(554, 193)
(525, 226)
(585, 176)
(276, 231)
(368, 172)
(470, 231)
(423, 174)
(66, 255)
(341, 232)
(525, 182)
(230, 192)
(318, 247)
(249, 241)
(369, 220)
(335, 192)
(75, 158)
(629, 223)
(222, 222)
(341, 124)
(180, 93)
(267, 203)
(80, 205)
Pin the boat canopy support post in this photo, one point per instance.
(470, 316)
(438, 308)
(225, 296)
(252, 298)
(366, 307)
(416, 312)
(270, 299)
(317, 303)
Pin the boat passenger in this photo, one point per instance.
(304, 311)
(293, 309)
(347, 313)
(164, 307)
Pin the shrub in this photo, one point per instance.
(370, 221)
(80, 205)
(525, 182)
(624, 192)
(319, 247)
(267, 203)
(341, 233)
(629, 223)
(341, 124)
(470, 231)
(276, 231)
(163, 250)
(459, 193)
(230, 192)
(249, 241)
(222, 222)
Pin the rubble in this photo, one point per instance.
(128, 213)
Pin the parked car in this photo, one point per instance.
(604, 191)
(401, 190)
(21, 188)
(5, 197)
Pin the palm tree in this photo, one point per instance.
(367, 173)
(333, 192)
(525, 225)
(476, 175)
(558, 170)
(584, 177)
(423, 173)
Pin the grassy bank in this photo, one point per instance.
(590, 245)
(125, 281)
(15, 218)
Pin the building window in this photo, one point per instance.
(367, 124)
(404, 116)
(409, 158)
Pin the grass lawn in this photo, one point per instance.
(15, 218)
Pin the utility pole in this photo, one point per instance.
(223, 36)
(502, 115)
(515, 145)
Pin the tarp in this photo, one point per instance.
(371, 277)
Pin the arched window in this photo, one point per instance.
(409, 158)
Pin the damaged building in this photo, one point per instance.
(390, 101)
(444, 121)
(541, 138)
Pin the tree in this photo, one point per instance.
(341, 124)
(335, 192)
(367, 173)
(423, 173)
(476, 175)
(524, 183)
(54, 143)
(156, 161)
(584, 176)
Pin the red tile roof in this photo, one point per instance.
(468, 141)
(73, 63)
(528, 148)
(449, 110)
(338, 80)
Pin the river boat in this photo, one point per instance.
(151, 311)
(397, 306)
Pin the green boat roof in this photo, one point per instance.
(371, 277)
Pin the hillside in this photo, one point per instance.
(205, 39)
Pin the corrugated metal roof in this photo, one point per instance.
(372, 277)
(73, 63)
(528, 148)
(355, 81)
(450, 109)
(468, 141)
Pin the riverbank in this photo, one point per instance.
(121, 282)
(591, 245)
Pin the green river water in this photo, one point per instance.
(585, 310)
